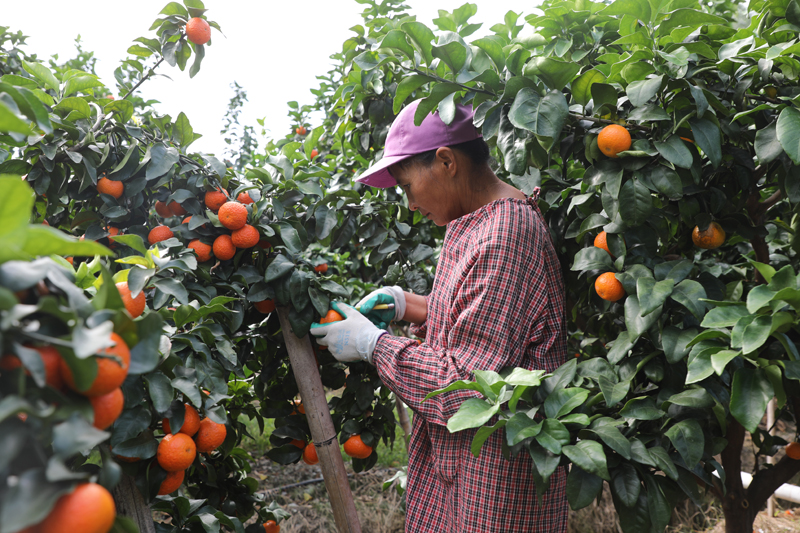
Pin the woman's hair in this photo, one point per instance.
(477, 150)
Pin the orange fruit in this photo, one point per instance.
(191, 422)
(198, 31)
(110, 187)
(110, 372)
(310, 454)
(112, 231)
(107, 408)
(171, 484)
(321, 268)
(215, 199)
(176, 452)
(244, 198)
(314, 153)
(793, 450)
(187, 220)
(52, 365)
(88, 509)
(224, 248)
(202, 250)
(271, 526)
(608, 287)
(299, 443)
(265, 306)
(233, 215)
(771, 91)
(70, 260)
(332, 316)
(245, 237)
(135, 306)
(711, 238)
(264, 244)
(176, 209)
(600, 242)
(300, 130)
(163, 210)
(613, 139)
(355, 447)
(158, 234)
(210, 435)
(299, 408)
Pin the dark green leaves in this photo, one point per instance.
(687, 437)
(589, 455)
(636, 203)
(674, 151)
(751, 391)
(706, 135)
(788, 130)
(543, 116)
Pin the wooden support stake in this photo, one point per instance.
(306, 373)
(402, 417)
(129, 503)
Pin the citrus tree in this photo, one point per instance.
(664, 140)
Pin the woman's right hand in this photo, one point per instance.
(385, 295)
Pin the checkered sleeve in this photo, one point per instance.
(500, 295)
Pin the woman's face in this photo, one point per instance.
(431, 189)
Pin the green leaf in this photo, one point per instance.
(750, 393)
(641, 409)
(75, 105)
(553, 435)
(482, 434)
(582, 487)
(542, 116)
(698, 398)
(640, 92)
(162, 159)
(687, 437)
(634, 8)
(625, 483)
(81, 83)
(724, 317)
(564, 401)
(183, 133)
(663, 461)
(788, 130)
(472, 413)
(10, 122)
(582, 87)
(41, 73)
(756, 334)
(554, 73)
(279, 267)
(521, 427)
(452, 50)
(397, 39)
(44, 240)
(422, 37)
(161, 391)
(635, 202)
(588, 455)
(132, 240)
(757, 298)
(653, 293)
(675, 151)
(689, 293)
(637, 324)
(767, 145)
(174, 8)
(706, 135)
(687, 18)
(675, 342)
(614, 439)
(493, 46)
(592, 258)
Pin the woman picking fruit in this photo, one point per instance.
(497, 301)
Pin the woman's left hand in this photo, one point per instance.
(351, 339)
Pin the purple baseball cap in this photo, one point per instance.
(405, 140)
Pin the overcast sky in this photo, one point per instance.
(273, 49)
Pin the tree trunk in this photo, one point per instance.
(130, 504)
(306, 373)
(402, 417)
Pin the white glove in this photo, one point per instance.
(351, 339)
(384, 295)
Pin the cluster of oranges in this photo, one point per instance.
(232, 215)
(177, 451)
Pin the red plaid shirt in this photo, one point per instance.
(497, 301)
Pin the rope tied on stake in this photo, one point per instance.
(325, 442)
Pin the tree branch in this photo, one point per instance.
(145, 77)
(606, 121)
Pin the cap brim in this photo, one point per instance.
(378, 175)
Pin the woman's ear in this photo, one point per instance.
(446, 158)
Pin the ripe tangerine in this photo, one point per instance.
(191, 422)
(265, 306)
(355, 447)
(613, 139)
(215, 199)
(198, 31)
(162, 210)
(224, 248)
(111, 372)
(171, 484)
(322, 268)
(176, 452)
(88, 509)
(601, 242)
(110, 187)
(135, 306)
(711, 238)
(244, 198)
(793, 450)
(233, 215)
(245, 237)
(271, 526)
(176, 209)
(608, 287)
(202, 250)
(310, 454)
(158, 234)
(52, 365)
(210, 435)
(107, 408)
